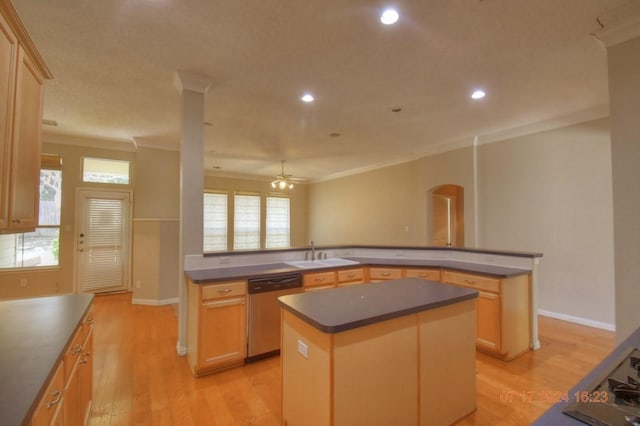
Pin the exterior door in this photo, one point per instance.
(102, 241)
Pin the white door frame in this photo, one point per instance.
(127, 266)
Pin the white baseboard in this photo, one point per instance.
(182, 350)
(154, 302)
(578, 320)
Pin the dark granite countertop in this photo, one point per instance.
(203, 276)
(33, 336)
(554, 415)
(346, 308)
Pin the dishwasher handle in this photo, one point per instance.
(260, 285)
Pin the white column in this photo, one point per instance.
(192, 88)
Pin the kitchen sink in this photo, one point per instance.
(321, 263)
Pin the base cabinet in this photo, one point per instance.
(502, 324)
(217, 326)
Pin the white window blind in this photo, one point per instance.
(215, 222)
(246, 222)
(278, 225)
(103, 244)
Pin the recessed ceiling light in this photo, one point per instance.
(478, 94)
(389, 16)
(307, 97)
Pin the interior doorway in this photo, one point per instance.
(103, 240)
(447, 216)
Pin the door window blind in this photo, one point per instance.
(103, 244)
(215, 222)
(277, 223)
(246, 222)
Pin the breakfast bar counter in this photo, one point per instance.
(398, 352)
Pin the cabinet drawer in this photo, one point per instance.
(72, 354)
(51, 400)
(218, 291)
(474, 281)
(347, 275)
(319, 278)
(425, 274)
(385, 273)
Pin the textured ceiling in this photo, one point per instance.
(114, 62)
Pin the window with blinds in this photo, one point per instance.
(277, 222)
(246, 221)
(215, 221)
(41, 247)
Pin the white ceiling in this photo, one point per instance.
(114, 63)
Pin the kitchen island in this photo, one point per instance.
(400, 352)
(35, 337)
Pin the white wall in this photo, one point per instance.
(550, 192)
(624, 92)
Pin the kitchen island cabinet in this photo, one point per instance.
(400, 352)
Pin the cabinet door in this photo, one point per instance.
(488, 321)
(25, 170)
(8, 56)
(222, 332)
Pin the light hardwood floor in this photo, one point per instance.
(140, 380)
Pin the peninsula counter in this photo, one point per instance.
(400, 352)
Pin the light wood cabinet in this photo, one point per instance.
(377, 274)
(50, 410)
(22, 75)
(319, 280)
(216, 326)
(348, 277)
(431, 274)
(502, 323)
(78, 375)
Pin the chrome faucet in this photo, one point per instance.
(313, 250)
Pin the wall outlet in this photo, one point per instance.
(303, 349)
(23, 282)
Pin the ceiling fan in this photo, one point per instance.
(282, 180)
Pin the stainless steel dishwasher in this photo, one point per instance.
(263, 332)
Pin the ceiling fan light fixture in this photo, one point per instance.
(282, 181)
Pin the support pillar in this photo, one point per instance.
(192, 88)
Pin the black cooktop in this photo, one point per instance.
(610, 398)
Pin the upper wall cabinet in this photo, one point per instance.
(22, 75)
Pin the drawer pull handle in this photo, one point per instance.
(226, 290)
(351, 275)
(76, 349)
(469, 281)
(90, 321)
(385, 274)
(16, 221)
(320, 279)
(57, 397)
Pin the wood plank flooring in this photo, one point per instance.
(140, 380)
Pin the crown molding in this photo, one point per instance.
(99, 143)
(619, 25)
